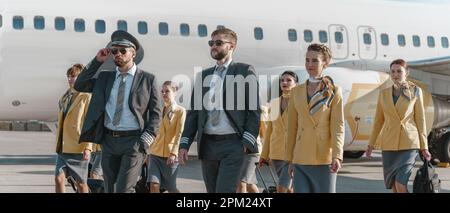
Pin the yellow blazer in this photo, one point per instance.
(314, 139)
(170, 130)
(401, 126)
(69, 128)
(276, 133)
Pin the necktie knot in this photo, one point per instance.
(220, 69)
(123, 76)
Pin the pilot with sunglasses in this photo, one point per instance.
(124, 112)
(225, 117)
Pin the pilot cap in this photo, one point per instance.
(123, 38)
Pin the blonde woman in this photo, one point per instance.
(73, 157)
(163, 161)
(399, 129)
(315, 135)
(276, 134)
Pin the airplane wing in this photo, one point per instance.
(439, 65)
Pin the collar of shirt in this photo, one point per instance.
(226, 64)
(131, 71)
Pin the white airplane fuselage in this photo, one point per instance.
(33, 62)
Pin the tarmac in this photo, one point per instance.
(27, 163)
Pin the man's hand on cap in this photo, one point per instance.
(103, 55)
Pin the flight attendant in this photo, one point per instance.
(163, 160)
(399, 129)
(315, 135)
(276, 134)
(73, 157)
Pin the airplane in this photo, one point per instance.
(39, 40)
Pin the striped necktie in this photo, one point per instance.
(120, 99)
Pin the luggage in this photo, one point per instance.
(426, 180)
(96, 185)
(270, 189)
(141, 185)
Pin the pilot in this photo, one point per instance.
(73, 158)
(163, 167)
(315, 135)
(124, 113)
(276, 134)
(227, 122)
(399, 129)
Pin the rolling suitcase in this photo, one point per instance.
(270, 189)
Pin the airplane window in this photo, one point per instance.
(184, 29)
(39, 22)
(258, 33)
(122, 25)
(308, 35)
(79, 25)
(163, 28)
(323, 36)
(220, 27)
(1, 21)
(416, 40)
(100, 26)
(292, 35)
(18, 22)
(202, 30)
(338, 37)
(142, 27)
(60, 23)
(430, 41)
(367, 39)
(401, 40)
(444, 41)
(384, 39)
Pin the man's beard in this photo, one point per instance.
(120, 62)
(219, 54)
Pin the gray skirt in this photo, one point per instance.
(163, 174)
(397, 166)
(248, 169)
(282, 170)
(314, 179)
(72, 165)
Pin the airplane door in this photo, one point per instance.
(367, 42)
(338, 41)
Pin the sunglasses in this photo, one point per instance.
(114, 51)
(217, 42)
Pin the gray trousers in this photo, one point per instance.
(122, 160)
(221, 164)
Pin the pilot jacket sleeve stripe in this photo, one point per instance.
(187, 138)
(251, 126)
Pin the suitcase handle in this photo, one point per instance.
(260, 175)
